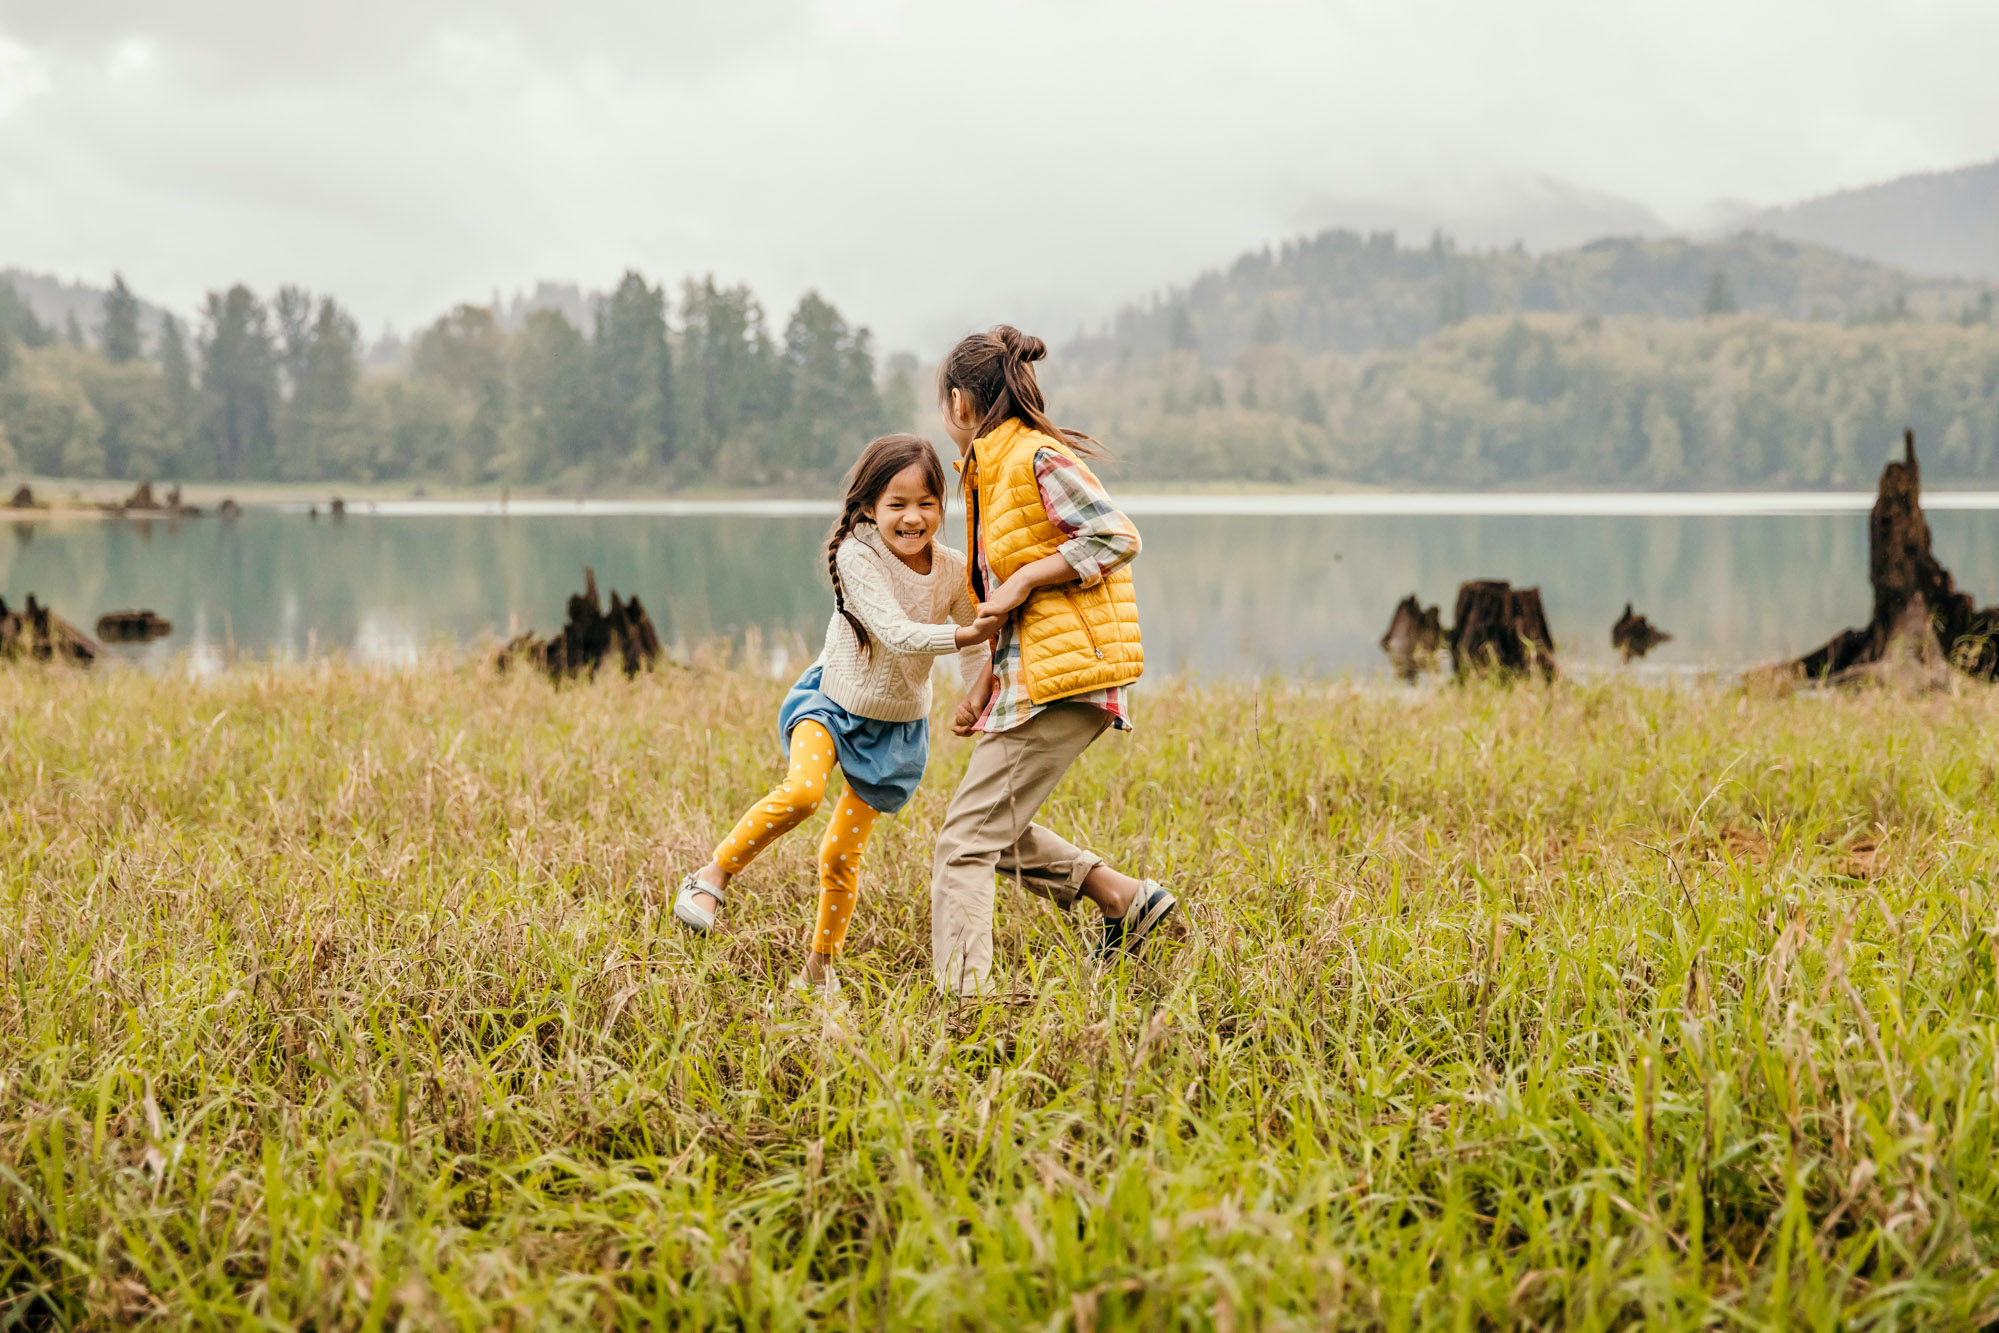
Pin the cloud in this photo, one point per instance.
(246, 43)
(21, 76)
(929, 166)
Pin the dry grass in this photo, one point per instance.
(341, 1000)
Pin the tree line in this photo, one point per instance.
(1564, 401)
(656, 391)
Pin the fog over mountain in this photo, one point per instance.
(1940, 222)
(926, 166)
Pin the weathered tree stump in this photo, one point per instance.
(1635, 636)
(1415, 634)
(632, 631)
(39, 634)
(1501, 629)
(588, 636)
(337, 507)
(24, 498)
(1919, 615)
(229, 508)
(132, 627)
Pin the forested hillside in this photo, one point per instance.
(1754, 362)
(659, 392)
(1343, 292)
(1563, 400)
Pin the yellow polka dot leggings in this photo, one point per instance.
(791, 804)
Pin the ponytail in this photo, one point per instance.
(879, 464)
(995, 370)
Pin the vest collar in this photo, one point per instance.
(997, 438)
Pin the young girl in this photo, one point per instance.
(900, 599)
(1050, 553)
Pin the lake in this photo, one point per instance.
(1227, 585)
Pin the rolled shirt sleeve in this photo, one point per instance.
(1098, 536)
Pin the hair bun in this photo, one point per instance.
(1021, 346)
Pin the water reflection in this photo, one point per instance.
(1220, 594)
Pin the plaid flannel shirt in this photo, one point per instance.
(1098, 538)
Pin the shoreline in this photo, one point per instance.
(69, 501)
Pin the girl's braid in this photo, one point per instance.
(845, 526)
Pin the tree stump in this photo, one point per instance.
(24, 498)
(132, 627)
(39, 634)
(229, 508)
(1635, 636)
(588, 636)
(1415, 633)
(1913, 593)
(1501, 630)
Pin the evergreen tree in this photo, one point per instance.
(319, 416)
(731, 380)
(1452, 301)
(239, 381)
(899, 394)
(1719, 299)
(73, 332)
(553, 429)
(17, 317)
(293, 308)
(122, 340)
(829, 372)
(634, 378)
(463, 357)
(177, 374)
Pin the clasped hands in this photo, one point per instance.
(992, 613)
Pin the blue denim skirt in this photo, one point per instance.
(883, 761)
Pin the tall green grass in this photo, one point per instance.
(339, 1000)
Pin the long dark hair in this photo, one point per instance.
(879, 464)
(996, 371)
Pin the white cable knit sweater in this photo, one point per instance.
(912, 619)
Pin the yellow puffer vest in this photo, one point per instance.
(1072, 639)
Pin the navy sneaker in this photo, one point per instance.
(1125, 936)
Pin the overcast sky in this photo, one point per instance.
(930, 165)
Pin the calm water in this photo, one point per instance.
(1277, 585)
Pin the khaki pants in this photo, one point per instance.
(989, 830)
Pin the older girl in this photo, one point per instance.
(1051, 554)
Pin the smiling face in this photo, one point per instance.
(908, 515)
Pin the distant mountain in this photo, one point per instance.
(1341, 291)
(1939, 222)
(1538, 212)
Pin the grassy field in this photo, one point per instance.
(339, 1000)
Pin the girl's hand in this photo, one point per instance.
(1046, 572)
(984, 629)
(972, 707)
(1006, 598)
